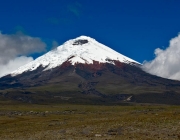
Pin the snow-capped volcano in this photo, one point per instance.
(80, 50)
(83, 70)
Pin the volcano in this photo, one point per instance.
(85, 71)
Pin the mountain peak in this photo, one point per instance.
(81, 40)
(82, 49)
(83, 37)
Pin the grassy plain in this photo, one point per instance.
(88, 122)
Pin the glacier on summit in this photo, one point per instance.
(79, 50)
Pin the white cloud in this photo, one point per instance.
(14, 64)
(167, 62)
(18, 44)
(15, 45)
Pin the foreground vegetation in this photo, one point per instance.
(51, 122)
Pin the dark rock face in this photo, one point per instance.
(80, 42)
(91, 83)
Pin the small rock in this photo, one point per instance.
(31, 112)
(62, 131)
(86, 131)
(98, 135)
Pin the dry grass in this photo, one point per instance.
(51, 122)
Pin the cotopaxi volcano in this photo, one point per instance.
(83, 70)
(84, 50)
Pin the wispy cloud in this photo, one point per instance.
(75, 8)
(66, 14)
(57, 21)
(53, 20)
(167, 62)
(19, 29)
(15, 45)
(55, 44)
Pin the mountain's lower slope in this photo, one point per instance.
(96, 83)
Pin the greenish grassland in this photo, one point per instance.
(51, 122)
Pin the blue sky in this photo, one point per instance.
(134, 28)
